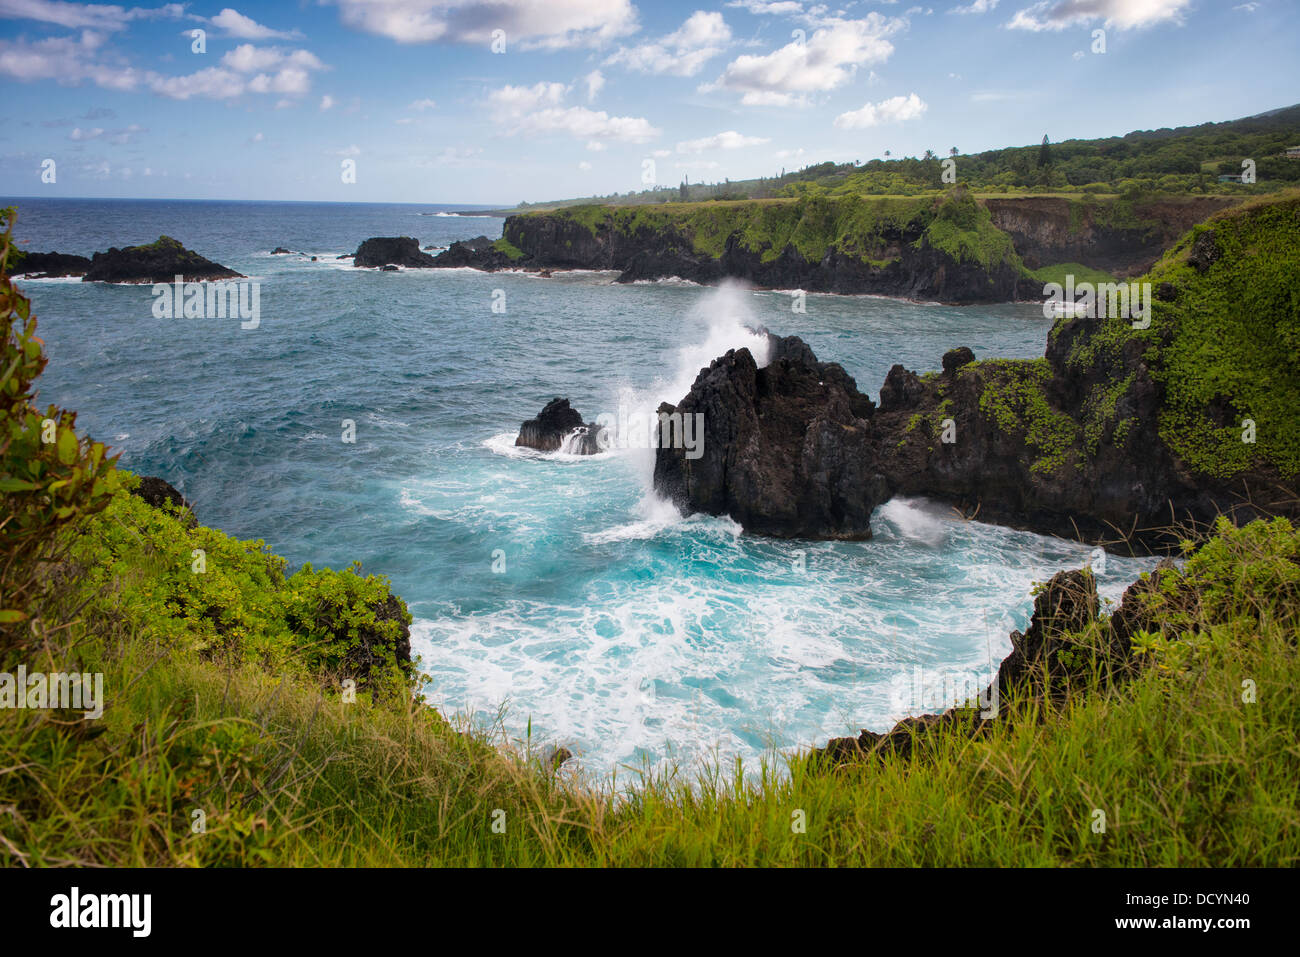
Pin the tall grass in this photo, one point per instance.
(1185, 771)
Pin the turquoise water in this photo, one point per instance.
(623, 631)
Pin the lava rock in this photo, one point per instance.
(160, 493)
(555, 423)
(280, 251)
(785, 451)
(382, 251)
(477, 253)
(158, 262)
(954, 359)
(1204, 252)
(49, 265)
(903, 389)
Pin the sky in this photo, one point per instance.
(501, 101)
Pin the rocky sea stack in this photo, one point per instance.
(786, 448)
(380, 251)
(559, 426)
(160, 261)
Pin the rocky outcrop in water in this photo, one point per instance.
(380, 251)
(786, 448)
(794, 450)
(160, 261)
(478, 253)
(558, 426)
(51, 265)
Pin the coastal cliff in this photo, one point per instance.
(1114, 435)
(951, 248)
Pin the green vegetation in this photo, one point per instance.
(964, 230)
(1013, 396)
(867, 229)
(503, 244)
(1057, 272)
(1186, 160)
(1225, 344)
(226, 739)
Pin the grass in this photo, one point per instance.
(286, 773)
(1059, 271)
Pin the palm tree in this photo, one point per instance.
(953, 151)
(887, 154)
(929, 155)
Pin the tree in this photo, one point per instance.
(887, 154)
(953, 151)
(1044, 154)
(929, 155)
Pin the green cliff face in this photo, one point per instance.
(1224, 343)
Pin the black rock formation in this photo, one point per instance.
(382, 251)
(786, 448)
(51, 265)
(160, 261)
(555, 423)
(479, 253)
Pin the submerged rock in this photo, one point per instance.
(559, 427)
(380, 251)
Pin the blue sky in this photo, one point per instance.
(586, 96)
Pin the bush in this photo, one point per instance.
(49, 476)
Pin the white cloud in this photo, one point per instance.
(78, 134)
(326, 103)
(537, 110)
(247, 58)
(547, 24)
(681, 53)
(774, 7)
(235, 24)
(212, 83)
(85, 16)
(68, 60)
(595, 81)
(1120, 14)
(730, 140)
(584, 165)
(826, 60)
(352, 150)
(421, 105)
(699, 164)
(520, 99)
(977, 6)
(596, 146)
(896, 109)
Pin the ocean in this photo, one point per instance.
(554, 592)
